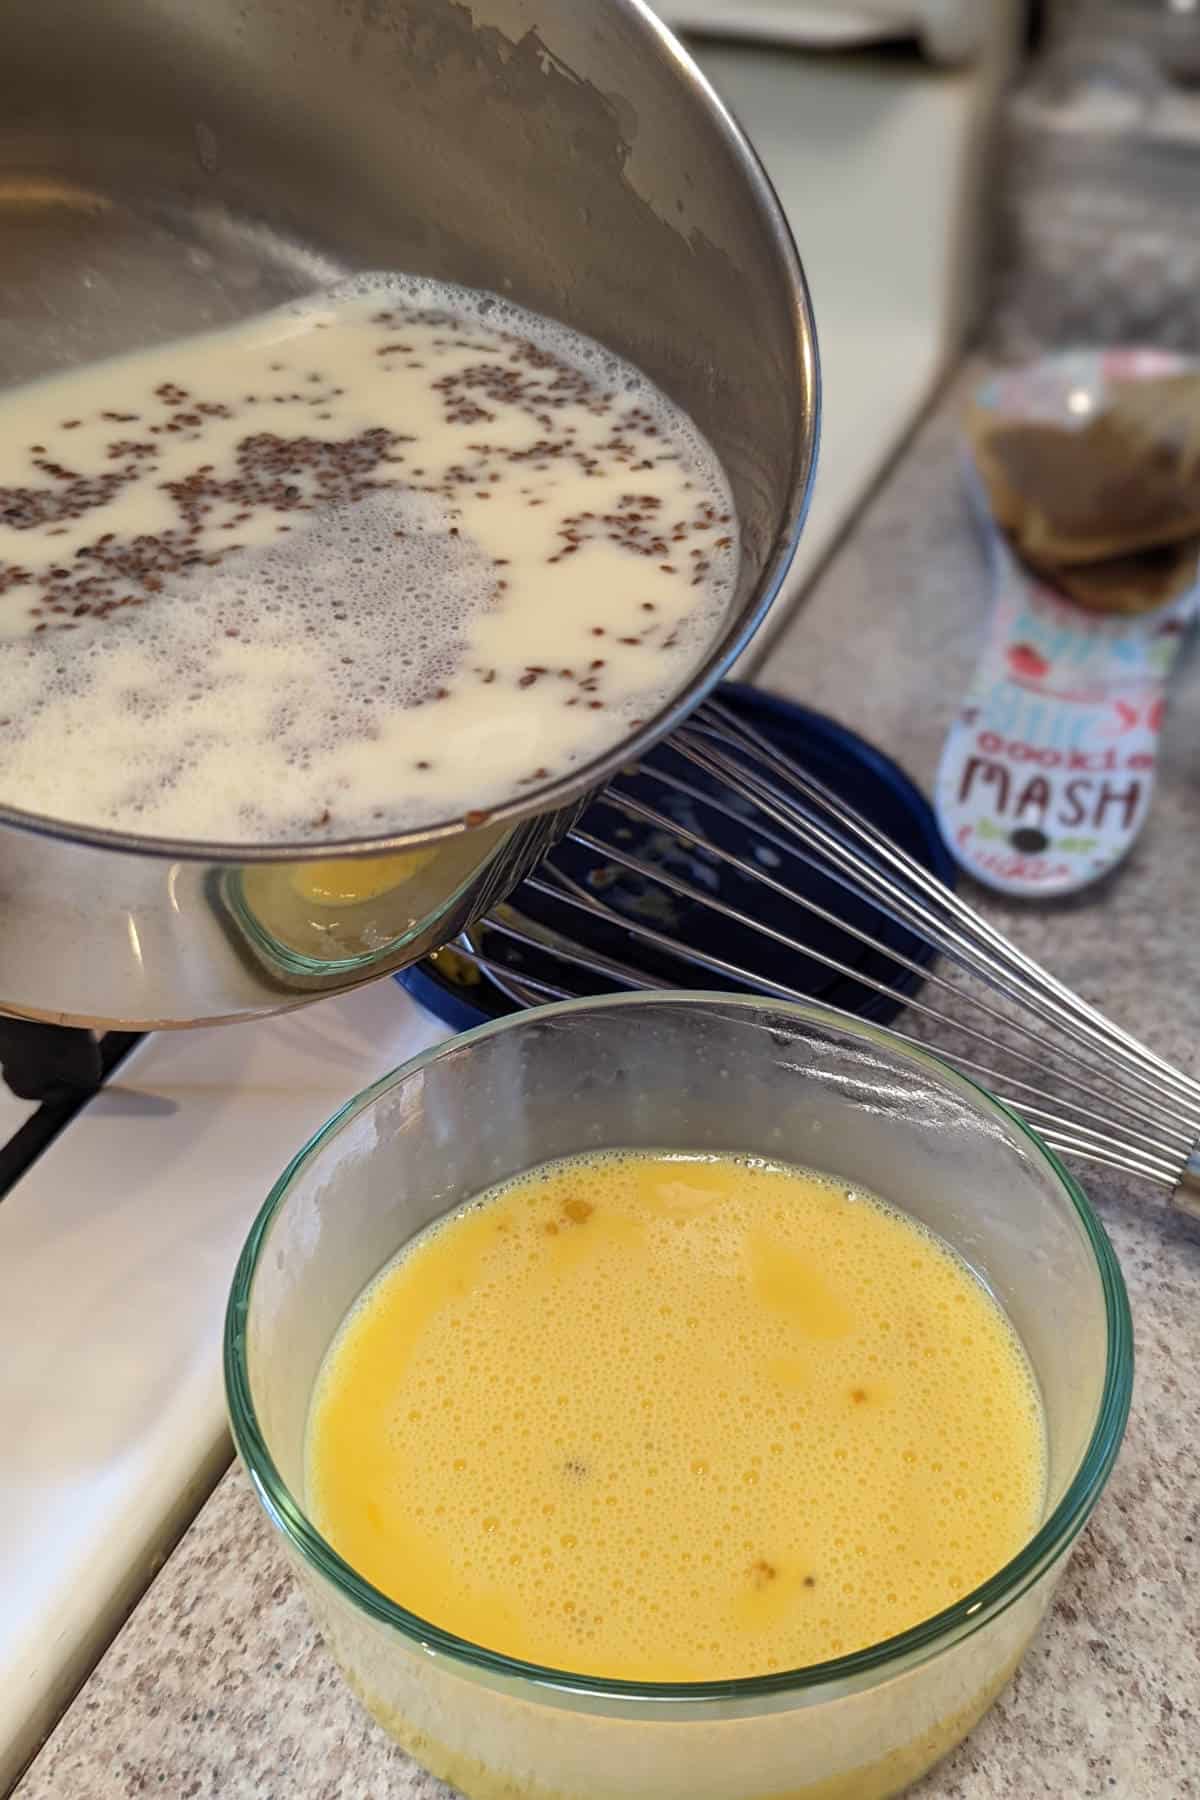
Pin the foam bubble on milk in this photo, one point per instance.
(368, 563)
(179, 701)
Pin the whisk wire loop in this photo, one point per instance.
(1090, 1088)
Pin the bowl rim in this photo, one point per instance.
(883, 1660)
(739, 627)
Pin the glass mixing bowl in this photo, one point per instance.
(792, 1083)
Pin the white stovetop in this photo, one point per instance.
(116, 1249)
(116, 1252)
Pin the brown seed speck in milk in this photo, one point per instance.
(576, 428)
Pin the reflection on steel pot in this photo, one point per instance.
(169, 168)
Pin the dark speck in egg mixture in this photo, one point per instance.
(377, 560)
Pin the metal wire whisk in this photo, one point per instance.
(1088, 1087)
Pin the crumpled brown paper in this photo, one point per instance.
(1108, 513)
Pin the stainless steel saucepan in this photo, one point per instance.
(167, 166)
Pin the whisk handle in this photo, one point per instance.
(1187, 1192)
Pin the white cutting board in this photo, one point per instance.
(948, 30)
(879, 165)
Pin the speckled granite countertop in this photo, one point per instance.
(219, 1685)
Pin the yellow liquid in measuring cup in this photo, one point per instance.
(665, 1418)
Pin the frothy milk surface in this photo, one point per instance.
(367, 563)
